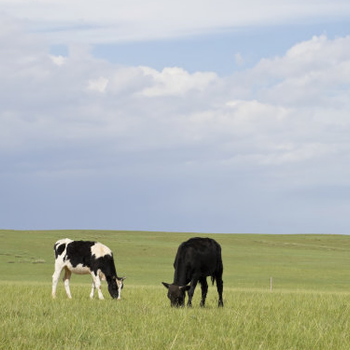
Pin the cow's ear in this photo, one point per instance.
(185, 288)
(166, 285)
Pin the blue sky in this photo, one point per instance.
(217, 51)
(199, 116)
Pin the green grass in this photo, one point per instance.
(309, 307)
(30, 319)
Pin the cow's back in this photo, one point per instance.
(201, 256)
(79, 252)
(199, 249)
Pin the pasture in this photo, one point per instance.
(309, 307)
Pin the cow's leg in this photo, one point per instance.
(220, 287)
(66, 278)
(55, 277)
(96, 280)
(190, 292)
(120, 287)
(92, 290)
(204, 285)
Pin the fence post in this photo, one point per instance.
(271, 284)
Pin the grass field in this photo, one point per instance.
(309, 307)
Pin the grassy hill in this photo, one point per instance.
(308, 262)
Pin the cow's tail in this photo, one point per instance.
(218, 272)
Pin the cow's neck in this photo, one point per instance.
(181, 276)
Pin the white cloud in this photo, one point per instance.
(59, 60)
(111, 21)
(285, 100)
(314, 72)
(176, 81)
(99, 84)
(283, 122)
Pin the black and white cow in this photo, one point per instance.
(196, 259)
(86, 257)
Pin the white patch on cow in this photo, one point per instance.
(63, 241)
(100, 250)
(79, 269)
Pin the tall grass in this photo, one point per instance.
(143, 319)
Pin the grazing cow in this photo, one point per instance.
(196, 259)
(85, 257)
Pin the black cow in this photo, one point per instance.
(85, 257)
(196, 259)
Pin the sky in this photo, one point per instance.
(197, 116)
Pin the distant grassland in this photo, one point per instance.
(307, 262)
(309, 307)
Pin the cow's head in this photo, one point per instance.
(115, 287)
(176, 294)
